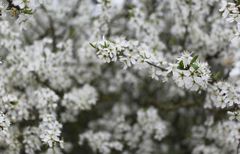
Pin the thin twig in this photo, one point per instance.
(52, 30)
(163, 69)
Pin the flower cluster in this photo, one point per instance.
(79, 99)
(45, 101)
(101, 142)
(120, 50)
(16, 7)
(31, 140)
(230, 11)
(223, 134)
(150, 122)
(4, 125)
(50, 130)
(190, 73)
(234, 115)
(130, 53)
(204, 149)
(222, 95)
(232, 14)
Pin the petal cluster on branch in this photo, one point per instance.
(189, 72)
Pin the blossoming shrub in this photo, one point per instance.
(119, 76)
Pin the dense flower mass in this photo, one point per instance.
(77, 100)
(145, 131)
(50, 130)
(119, 76)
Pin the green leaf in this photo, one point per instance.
(71, 32)
(13, 103)
(195, 66)
(216, 76)
(194, 60)
(238, 2)
(181, 65)
(26, 11)
(94, 46)
(106, 45)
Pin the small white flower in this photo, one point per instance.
(186, 58)
(19, 3)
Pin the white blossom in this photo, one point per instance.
(79, 99)
(31, 140)
(203, 149)
(50, 130)
(150, 122)
(101, 142)
(19, 3)
(4, 125)
(222, 95)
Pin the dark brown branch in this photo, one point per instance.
(52, 30)
(159, 67)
